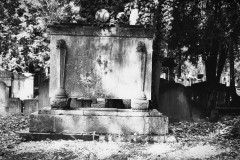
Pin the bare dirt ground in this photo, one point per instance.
(202, 140)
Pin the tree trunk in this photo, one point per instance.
(221, 62)
(211, 63)
(232, 79)
(179, 71)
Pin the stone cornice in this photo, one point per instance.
(77, 30)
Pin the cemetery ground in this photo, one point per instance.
(186, 140)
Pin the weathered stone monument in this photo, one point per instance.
(15, 106)
(3, 97)
(5, 88)
(22, 86)
(14, 87)
(89, 63)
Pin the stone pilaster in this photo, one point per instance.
(139, 100)
(59, 101)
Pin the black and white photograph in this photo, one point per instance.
(119, 80)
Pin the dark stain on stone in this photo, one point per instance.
(105, 62)
(141, 47)
(120, 52)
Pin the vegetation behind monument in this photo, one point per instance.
(206, 28)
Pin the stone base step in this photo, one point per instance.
(28, 136)
(100, 121)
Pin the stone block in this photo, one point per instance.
(139, 104)
(30, 106)
(75, 103)
(15, 105)
(58, 103)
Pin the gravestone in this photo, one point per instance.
(4, 98)
(30, 106)
(15, 105)
(208, 96)
(174, 101)
(22, 86)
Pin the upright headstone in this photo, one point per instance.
(22, 86)
(174, 101)
(15, 105)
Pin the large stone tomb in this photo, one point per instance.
(89, 63)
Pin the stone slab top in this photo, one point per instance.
(77, 30)
(103, 112)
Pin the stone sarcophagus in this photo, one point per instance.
(112, 63)
(108, 63)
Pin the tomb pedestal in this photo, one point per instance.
(100, 121)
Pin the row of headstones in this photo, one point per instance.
(17, 106)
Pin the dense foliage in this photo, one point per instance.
(23, 37)
(83, 11)
(183, 28)
(208, 28)
(23, 25)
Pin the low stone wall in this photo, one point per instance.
(16, 106)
